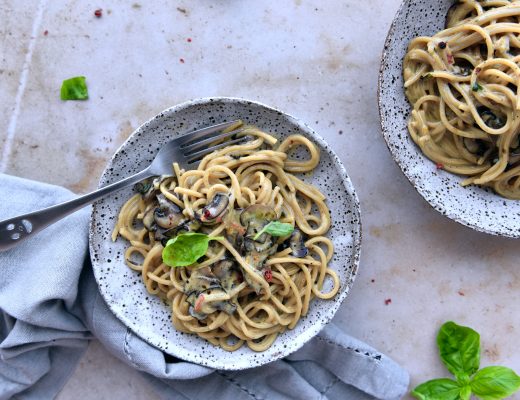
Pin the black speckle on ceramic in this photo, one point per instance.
(148, 316)
(475, 207)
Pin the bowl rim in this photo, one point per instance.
(325, 317)
(437, 206)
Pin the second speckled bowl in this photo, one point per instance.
(478, 208)
(147, 315)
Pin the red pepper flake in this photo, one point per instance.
(199, 302)
(478, 70)
(461, 293)
(46, 33)
(188, 40)
(388, 301)
(207, 214)
(98, 13)
(239, 228)
(181, 60)
(439, 165)
(268, 275)
(450, 58)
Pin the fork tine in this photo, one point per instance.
(200, 134)
(205, 143)
(191, 158)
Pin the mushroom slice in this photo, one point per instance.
(200, 280)
(491, 119)
(514, 156)
(234, 230)
(227, 272)
(257, 212)
(297, 244)
(148, 220)
(254, 218)
(144, 186)
(167, 215)
(216, 208)
(226, 306)
(471, 145)
(256, 260)
(148, 187)
(198, 315)
(253, 246)
(207, 302)
(184, 226)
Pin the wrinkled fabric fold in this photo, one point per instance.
(51, 307)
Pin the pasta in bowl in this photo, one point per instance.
(264, 254)
(269, 266)
(447, 115)
(464, 85)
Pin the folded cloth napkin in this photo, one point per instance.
(51, 307)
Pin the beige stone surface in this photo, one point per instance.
(317, 60)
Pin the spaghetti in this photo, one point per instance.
(249, 286)
(464, 87)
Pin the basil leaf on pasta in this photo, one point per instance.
(185, 249)
(276, 228)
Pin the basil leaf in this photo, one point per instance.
(185, 249)
(438, 389)
(493, 383)
(476, 87)
(465, 392)
(459, 348)
(275, 228)
(74, 89)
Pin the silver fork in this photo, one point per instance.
(186, 150)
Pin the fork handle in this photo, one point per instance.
(15, 230)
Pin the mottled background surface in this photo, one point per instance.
(316, 60)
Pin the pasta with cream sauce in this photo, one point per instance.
(249, 286)
(464, 87)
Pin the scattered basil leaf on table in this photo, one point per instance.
(459, 349)
(186, 248)
(74, 89)
(276, 228)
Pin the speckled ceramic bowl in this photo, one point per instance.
(478, 208)
(148, 316)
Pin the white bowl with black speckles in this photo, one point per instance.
(475, 207)
(148, 316)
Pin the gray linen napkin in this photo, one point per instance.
(51, 307)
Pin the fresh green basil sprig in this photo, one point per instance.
(459, 349)
(186, 248)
